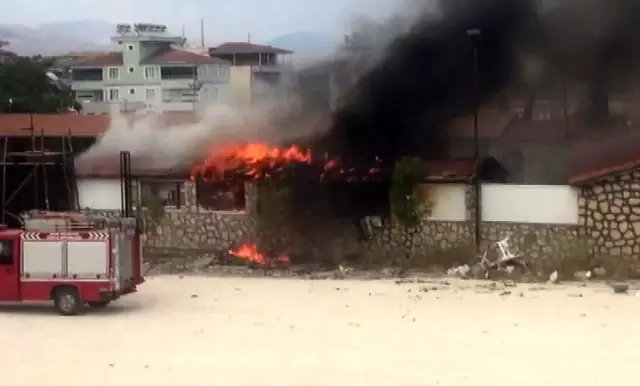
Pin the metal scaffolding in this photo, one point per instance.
(39, 157)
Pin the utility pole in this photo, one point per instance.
(475, 34)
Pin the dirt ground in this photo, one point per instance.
(266, 331)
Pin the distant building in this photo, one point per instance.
(6, 55)
(152, 70)
(254, 68)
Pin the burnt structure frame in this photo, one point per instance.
(38, 157)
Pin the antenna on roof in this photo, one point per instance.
(201, 33)
(183, 31)
(249, 37)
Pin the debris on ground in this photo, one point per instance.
(582, 275)
(554, 278)
(599, 272)
(461, 271)
(620, 288)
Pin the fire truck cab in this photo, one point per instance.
(71, 259)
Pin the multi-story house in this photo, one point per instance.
(6, 56)
(256, 70)
(151, 70)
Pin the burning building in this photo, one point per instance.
(501, 104)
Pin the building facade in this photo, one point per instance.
(258, 72)
(151, 70)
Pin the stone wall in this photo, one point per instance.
(192, 230)
(609, 210)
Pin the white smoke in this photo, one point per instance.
(156, 144)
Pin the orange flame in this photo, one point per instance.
(249, 157)
(249, 252)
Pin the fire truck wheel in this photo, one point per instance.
(67, 301)
(101, 304)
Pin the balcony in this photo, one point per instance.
(271, 68)
(105, 107)
(86, 75)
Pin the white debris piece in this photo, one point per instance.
(460, 271)
(554, 277)
(582, 275)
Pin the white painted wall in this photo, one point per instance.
(448, 201)
(536, 204)
(99, 193)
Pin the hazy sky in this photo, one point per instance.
(224, 19)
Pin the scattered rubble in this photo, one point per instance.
(599, 272)
(461, 271)
(582, 275)
(554, 278)
(620, 288)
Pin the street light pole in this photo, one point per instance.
(474, 34)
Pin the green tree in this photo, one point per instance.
(25, 87)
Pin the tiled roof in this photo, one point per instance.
(246, 48)
(4, 52)
(15, 125)
(111, 169)
(101, 60)
(173, 56)
(604, 153)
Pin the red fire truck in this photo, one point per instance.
(71, 259)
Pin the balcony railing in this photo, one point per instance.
(102, 107)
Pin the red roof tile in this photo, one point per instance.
(53, 124)
(16, 125)
(604, 153)
(101, 60)
(246, 48)
(173, 56)
(4, 52)
(110, 168)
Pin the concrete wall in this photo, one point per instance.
(534, 204)
(240, 82)
(99, 193)
(446, 238)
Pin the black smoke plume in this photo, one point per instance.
(404, 103)
(426, 76)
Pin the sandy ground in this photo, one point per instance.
(205, 331)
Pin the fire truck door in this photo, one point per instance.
(9, 270)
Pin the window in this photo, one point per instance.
(132, 91)
(87, 74)
(113, 94)
(178, 72)
(131, 70)
(114, 73)
(167, 194)
(222, 196)
(150, 72)
(150, 94)
(6, 252)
